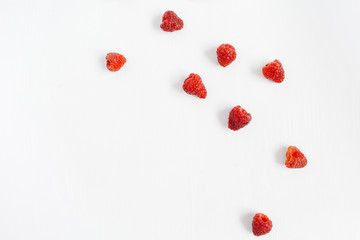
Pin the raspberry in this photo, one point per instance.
(171, 22)
(238, 118)
(295, 158)
(226, 54)
(274, 71)
(193, 85)
(115, 61)
(261, 224)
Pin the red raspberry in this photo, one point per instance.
(226, 54)
(171, 22)
(295, 158)
(261, 224)
(193, 85)
(238, 118)
(115, 61)
(274, 71)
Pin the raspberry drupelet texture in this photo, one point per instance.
(226, 54)
(193, 85)
(115, 61)
(171, 22)
(274, 71)
(261, 224)
(238, 118)
(295, 158)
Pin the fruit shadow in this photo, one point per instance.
(211, 55)
(102, 62)
(257, 70)
(223, 117)
(157, 22)
(280, 155)
(246, 221)
(177, 85)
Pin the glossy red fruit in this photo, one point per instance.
(295, 158)
(274, 71)
(261, 224)
(226, 54)
(115, 61)
(171, 22)
(193, 85)
(238, 118)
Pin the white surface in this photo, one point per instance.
(90, 154)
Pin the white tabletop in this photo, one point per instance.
(90, 154)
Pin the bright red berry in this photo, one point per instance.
(274, 71)
(226, 54)
(261, 224)
(238, 118)
(115, 61)
(295, 158)
(171, 22)
(193, 85)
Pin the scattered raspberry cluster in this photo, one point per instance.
(193, 85)
(226, 54)
(171, 22)
(261, 224)
(238, 116)
(274, 71)
(295, 158)
(115, 61)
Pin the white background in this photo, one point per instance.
(90, 154)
